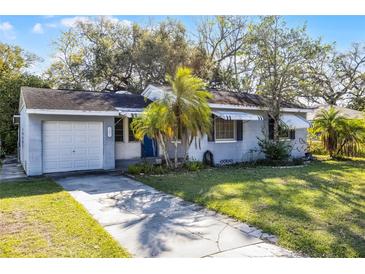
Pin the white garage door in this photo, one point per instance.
(72, 146)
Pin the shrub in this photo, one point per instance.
(279, 150)
(146, 168)
(339, 135)
(135, 169)
(2, 153)
(317, 148)
(193, 165)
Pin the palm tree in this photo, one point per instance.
(189, 108)
(352, 137)
(338, 134)
(154, 123)
(182, 113)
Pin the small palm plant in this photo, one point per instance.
(338, 134)
(328, 124)
(155, 122)
(352, 138)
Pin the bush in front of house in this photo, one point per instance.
(2, 153)
(316, 147)
(146, 168)
(193, 165)
(275, 150)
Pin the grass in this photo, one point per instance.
(318, 209)
(39, 219)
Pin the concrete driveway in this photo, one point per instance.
(150, 223)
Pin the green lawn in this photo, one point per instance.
(318, 209)
(39, 219)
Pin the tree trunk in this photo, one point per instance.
(176, 152)
(186, 144)
(276, 130)
(164, 151)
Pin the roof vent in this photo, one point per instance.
(123, 92)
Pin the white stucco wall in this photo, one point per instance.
(34, 140)
(232, 151)
(23, 142)
(127, 150)
(247, 149)
(300, 143)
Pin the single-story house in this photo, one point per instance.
(63, 130)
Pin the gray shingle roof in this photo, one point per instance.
(237, 98)
(42, 98)
(244, 99)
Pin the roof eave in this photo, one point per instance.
(72, 112)
(228, 106)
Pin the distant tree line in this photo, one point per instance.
(13, 64)
(238, 53)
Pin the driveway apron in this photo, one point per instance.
(150, 223)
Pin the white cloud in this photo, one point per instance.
(124, 22)
(7, 30)
(38, 28)
(71, 22)
(6, 26)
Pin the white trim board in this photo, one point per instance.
(72, 112)
(226, 106)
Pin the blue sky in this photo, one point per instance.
(37, 33)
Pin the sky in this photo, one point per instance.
(36, 34)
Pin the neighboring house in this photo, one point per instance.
(347, 112)
(63, 130)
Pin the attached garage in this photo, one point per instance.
(69, 146)
(63, 130)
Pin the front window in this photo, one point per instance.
(224, 129)
(131, 137)
(283, 132)
(118, 129)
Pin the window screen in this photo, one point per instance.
(224, 129)
(118, 129)
(131, 137)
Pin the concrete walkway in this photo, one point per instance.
(11, 169)
(150, 223)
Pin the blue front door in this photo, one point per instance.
(149, 147)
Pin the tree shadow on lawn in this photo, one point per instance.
(305, 200)
(31, 187)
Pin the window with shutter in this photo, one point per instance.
(292, 134)
(224, 130)
(284, 131)
(239, 128)
(211, 135)
(131, 137)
